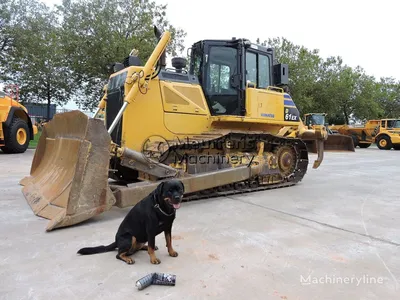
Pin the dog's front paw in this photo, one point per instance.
(126, 259)
(155, 261)
(173, 253)
(129, 261)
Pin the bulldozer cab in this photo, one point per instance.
(225, 68)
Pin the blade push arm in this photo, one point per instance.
(319, 134)
(140, 79)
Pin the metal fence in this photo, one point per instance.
(38, 112)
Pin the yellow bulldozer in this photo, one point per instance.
(335, 140)
(16, 129)
(224, 125)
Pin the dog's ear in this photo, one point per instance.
(159, 189)
(183, 187)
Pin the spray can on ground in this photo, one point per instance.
(145, 281)
(164, 279)
(156, 279)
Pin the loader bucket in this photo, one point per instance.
(335, 142)
(68, 181)
(339, 142)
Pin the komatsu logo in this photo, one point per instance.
(268, 115)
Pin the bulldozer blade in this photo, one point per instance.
(334, 143)
(68, 180)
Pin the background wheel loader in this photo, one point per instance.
(16, 129)
(225, 126)
(335, 140)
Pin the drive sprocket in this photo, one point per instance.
(286, 159)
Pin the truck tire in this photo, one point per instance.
(364, 145)
(384, 143)
(396, 147)
(355, 140)
(16, 137)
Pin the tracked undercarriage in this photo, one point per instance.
(284, 160)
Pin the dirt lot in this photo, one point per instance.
(336, 235)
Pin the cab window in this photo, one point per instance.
(393, 123)
(264, 71)
(258, 69)
(251, 67)
(219, 77)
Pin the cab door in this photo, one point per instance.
(221, 78)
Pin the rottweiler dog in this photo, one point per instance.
(147, 219)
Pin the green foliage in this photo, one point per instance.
(330, 86)
(33, 59)
(388, 97)
(60, 54)
(303, 70)
(65, 53)
(98, 33)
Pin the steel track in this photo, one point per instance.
(272, 142)
(215, 194)
(243, 187)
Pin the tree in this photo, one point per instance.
(366, 106)
(389, 97)
(5, 38)
(330, 86)
(35, 60)
(97, 33)
(303, 70)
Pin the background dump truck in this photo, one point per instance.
(385, 133)
(16, 130)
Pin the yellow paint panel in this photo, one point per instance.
(186, 123)
(146, 116)
(183, 98)
(251, 103)
(270, 103)
(266, 105)
(143, 118)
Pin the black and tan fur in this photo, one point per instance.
(147, 219)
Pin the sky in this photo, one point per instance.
(361, 32)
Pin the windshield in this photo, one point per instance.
(316, 120)
(393, 124)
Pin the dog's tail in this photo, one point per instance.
(99, 249)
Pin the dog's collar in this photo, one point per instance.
(163, 212)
